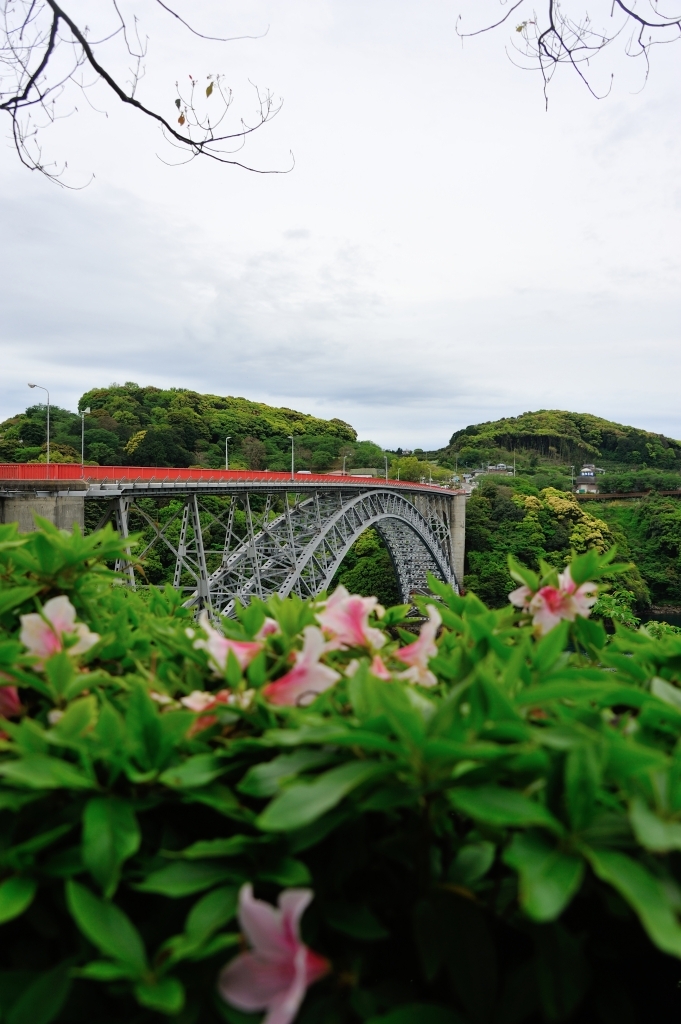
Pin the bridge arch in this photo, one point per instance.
(300, 550)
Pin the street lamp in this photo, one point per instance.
(84, 413)
(386, 466)
(227, 440)
(344, 458)
(291, 439)
(48, 423)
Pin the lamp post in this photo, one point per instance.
(386, 466)
(344, 458)
(227, 440)
(84, 413)
(291, 439)
(48, 423)
(572, 474)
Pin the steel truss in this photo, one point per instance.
(284, 542)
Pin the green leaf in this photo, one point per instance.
(196, 771)
(665, 691)
(106, 970)
(652, 832)
(21, 855)
(547, 651)
(232, 847)
(288, 872)
(144, 729)
(210, 913)
(107, 927)
(522, 575)
(503, 808)
(15, 596)
(110, 835)
(582, 779)
(266, 779)
(357, 921)
(44, 998)
(38, 771)
(472, 862)
(548, 878)
(303, 803)
(165, 996)
(60, 670)
(16, 895)
(77, 720)
(644, 893)
(182, 879)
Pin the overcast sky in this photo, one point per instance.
(444, 252)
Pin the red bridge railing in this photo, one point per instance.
(161, 474)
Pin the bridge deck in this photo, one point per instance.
(111, 481)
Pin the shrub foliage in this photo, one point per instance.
(500, 848)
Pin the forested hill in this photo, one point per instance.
(564, 436)
(148, 426)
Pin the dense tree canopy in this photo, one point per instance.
(148, 426)
(558, 435)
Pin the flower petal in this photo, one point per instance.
(60, 613)
(252, 981)
(262, 924)
(293, 903)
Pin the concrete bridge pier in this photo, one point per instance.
(450, 511)
(20, 500)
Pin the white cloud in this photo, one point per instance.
(444, 251)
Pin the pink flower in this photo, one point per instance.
(345, 619)
(218, 646)
(378, 669)
(521, 597)
(10, 705)
(203, 700)
(418, 654)
(43, 634)
(549, 605)
(307, 678)
(268, 628)
(276, 973)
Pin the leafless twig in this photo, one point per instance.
(44, 50)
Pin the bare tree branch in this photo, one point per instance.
(556, 36)
(43, 50)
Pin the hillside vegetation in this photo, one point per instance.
(148, 426)
(559, 436)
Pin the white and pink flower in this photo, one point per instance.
(218, 647)
(308, 677)
(378, 668)
(418, 654)
(268, 628)
(277, 971)
(344, 619)
(204, 700)
(550, 605)
(44, 634)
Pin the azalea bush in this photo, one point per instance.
(330, 812)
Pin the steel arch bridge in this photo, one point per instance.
(277, 536)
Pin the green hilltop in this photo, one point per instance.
(560, 436)
(148, 426)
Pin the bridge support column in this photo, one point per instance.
(457, 533)
(21, 500)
